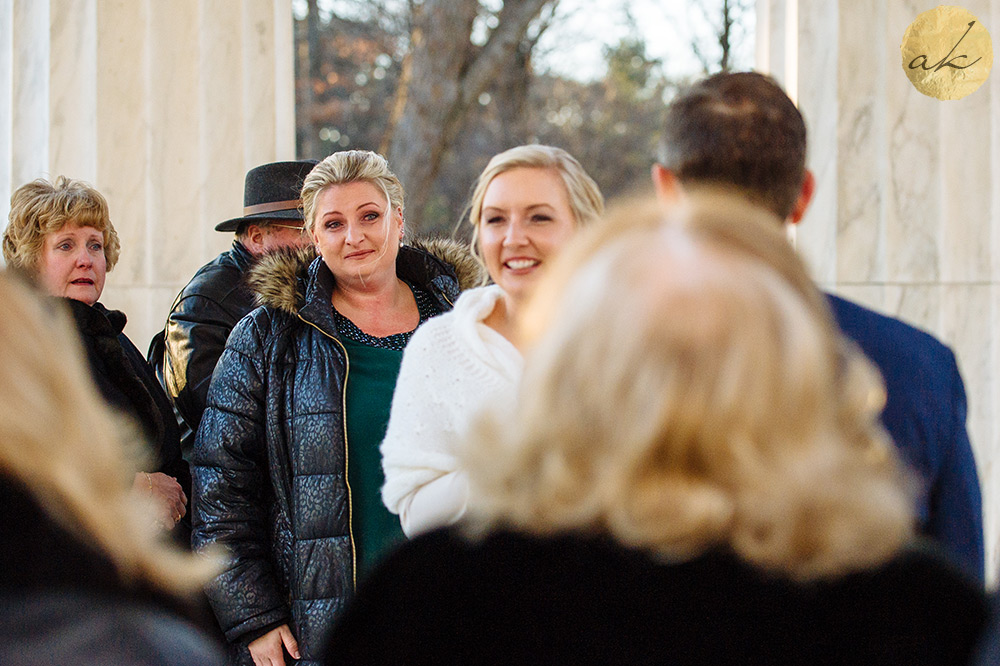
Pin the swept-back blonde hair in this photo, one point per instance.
(684, 394)
(76, 457)
(40, 208)
(585, 199)
(350, 166)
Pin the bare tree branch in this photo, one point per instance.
(444, 77)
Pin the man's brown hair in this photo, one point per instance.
(738, 129)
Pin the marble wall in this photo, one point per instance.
(906, 216)
(163, 106)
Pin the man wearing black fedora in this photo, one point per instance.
(208, 307)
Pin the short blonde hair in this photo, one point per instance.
(684, 395)
(585, 198)
(73, 454)
(350, 166)
(40, 208)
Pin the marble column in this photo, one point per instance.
(163, 106)
(907, 211)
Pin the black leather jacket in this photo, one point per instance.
(200, 320)
(269, 460)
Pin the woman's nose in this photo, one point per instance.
(515, 233)
(353, 234)
(83, 257)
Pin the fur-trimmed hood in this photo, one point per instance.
(278, 279)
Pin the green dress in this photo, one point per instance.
(373, 365)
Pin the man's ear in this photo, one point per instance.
(805, 198)
(668, 187)
(254, 239)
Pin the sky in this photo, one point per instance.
(573, 45)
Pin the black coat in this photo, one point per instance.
(270, 478)
(128, 384)
(200, 320)
(515, 599)
(62, 601)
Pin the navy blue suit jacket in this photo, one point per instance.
(925, 415)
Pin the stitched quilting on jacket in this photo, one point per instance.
(269, 460)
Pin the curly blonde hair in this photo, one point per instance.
(40, 208)
(74, 455)
(685, 394)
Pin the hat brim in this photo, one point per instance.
(234, 224)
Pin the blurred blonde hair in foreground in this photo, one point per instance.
(687, 389)
(75, 456)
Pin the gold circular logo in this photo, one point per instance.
(947, 53)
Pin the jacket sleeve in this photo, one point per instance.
(956, 513)
(195, 335)
(423, 482)
(169, 458)
(232, 490)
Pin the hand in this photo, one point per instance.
(266, 650)
(166, 493)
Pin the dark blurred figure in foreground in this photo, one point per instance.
(693, 473)
(742, 130)
(85, 579)
(989, 648)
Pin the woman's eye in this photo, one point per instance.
(332, 224)
(96, 247)
(64, 246)
(541, 218)
(369, 217)
(496, 219)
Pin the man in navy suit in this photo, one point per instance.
(741, 130)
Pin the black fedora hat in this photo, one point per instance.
(271, 192)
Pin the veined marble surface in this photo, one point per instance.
(163, 106)
(914, 227)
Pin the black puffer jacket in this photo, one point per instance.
(269, 460)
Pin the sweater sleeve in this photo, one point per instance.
(422, 481)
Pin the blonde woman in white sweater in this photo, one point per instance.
(527, 204)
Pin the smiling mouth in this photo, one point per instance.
(521, 264)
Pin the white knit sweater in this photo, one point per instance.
(453, 366)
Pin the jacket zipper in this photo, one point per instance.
(347, 482)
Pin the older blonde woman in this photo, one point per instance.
(85, 578)
(287, 469)
(528, 203)
(60, 234)
(693, 473)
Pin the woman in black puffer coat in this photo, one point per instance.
(315, 364)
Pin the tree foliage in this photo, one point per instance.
(440, 86)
